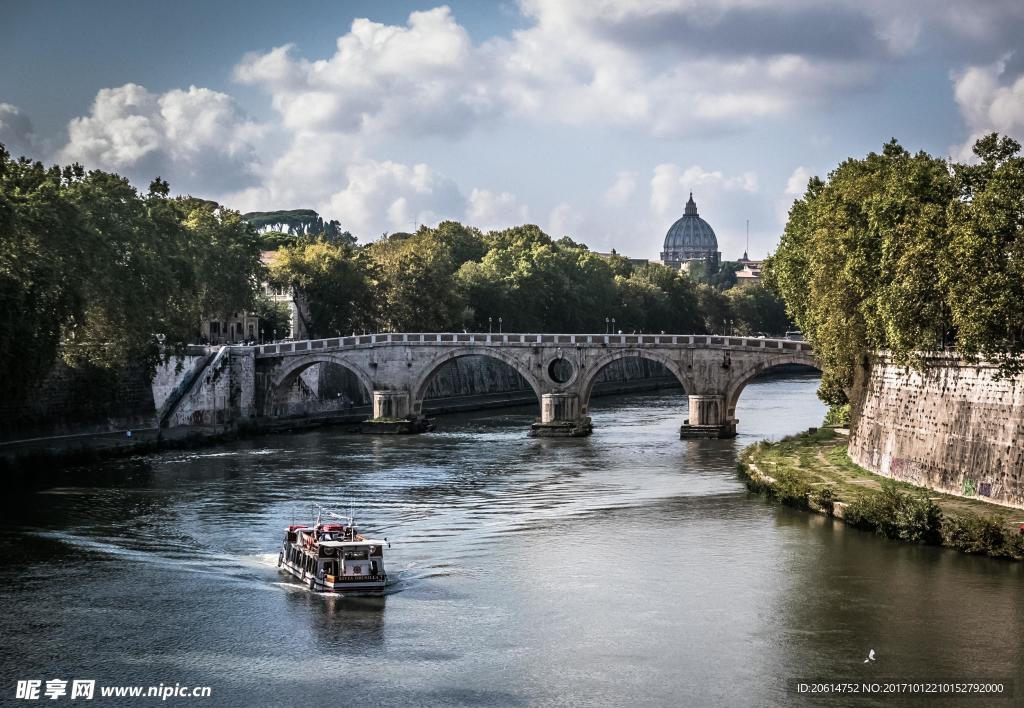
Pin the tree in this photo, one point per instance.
(905, 253)
(677, 309)
(332, 287)
(714, 309)
(226, 249)
(41, 255)
(136, 273)
(415, 277)
(538, 284)
(722, 276)
(755, 309)
(983, 270)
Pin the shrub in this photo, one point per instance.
(896, 514)
(988, 536)
(791, 489)
(825, 498)
(838, 416)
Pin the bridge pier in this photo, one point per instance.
(391, 415)
(708, 419)
(560, 417)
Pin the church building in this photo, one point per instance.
(691, 239)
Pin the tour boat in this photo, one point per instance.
(334, 557)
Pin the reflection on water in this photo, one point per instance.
(625, 568)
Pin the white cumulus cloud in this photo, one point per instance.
(989, 101)
(425, 77)
(387, 196)
(621, 192)
(489, 210)
(671, 184)
(795, 187)
(198, 139)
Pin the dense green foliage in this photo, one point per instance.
(454, 277)
(907, 253)
(897, 514)
(838, 416)
(328, 283)
(286, 226)
(985, 536)
(92, 271)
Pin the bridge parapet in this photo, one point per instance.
(529, 340)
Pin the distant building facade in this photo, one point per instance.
(690, 240)
(750, 273)
(245, 326)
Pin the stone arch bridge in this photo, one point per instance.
(560, 368)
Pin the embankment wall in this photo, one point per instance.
(954, 426)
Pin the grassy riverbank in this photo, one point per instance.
(812, 471)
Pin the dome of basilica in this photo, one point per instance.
(690, 239)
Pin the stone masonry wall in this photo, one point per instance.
(82, 399)
(954, 427)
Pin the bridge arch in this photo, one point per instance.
(520, 363)
(589, 377)
(748, 374)
(292, 368)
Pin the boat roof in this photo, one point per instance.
(349, 544)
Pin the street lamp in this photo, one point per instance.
(613, 325)
(275, 335)
(262, 333)
(607, 326)
(488, 325)
(499, 325)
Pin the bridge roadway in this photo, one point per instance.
(560, 368)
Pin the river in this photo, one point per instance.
(627, 568)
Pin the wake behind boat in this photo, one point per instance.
(334, 557)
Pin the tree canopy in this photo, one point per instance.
(93, 271)
(454, 277)
(285, 226)
(908, 254)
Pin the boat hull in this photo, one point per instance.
(348, 585)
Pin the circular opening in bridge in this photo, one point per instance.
(560, 370)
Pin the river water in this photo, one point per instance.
(628, 568)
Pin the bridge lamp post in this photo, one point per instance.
(613, 325)
(262, 333)
(499, 325)
(488, 325)
(607, 326)
(275, 335)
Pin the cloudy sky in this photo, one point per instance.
(591, 118)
